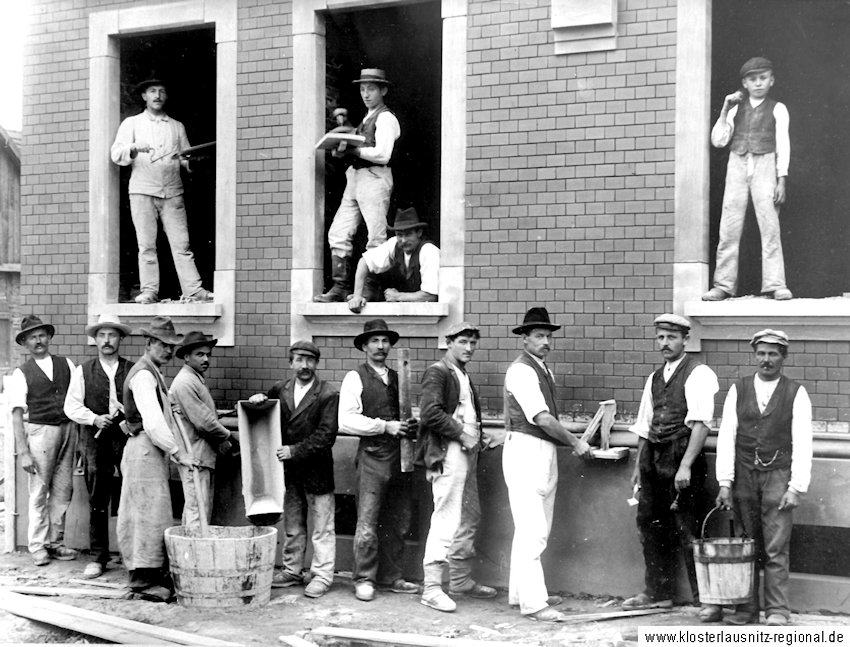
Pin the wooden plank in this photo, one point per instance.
(295, 641)
(101, 625)
(405, 411)
(611, 454)
(610, 615)
(68, 591)
(392, 638)
(9, 468)
(105, 585)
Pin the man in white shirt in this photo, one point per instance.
(676, 408)
(530, 464)
(95, 402)
(406, 268)
(764, 465)
(368, 183)
(46, 442)
(148, 142)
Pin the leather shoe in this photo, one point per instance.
(364, 591)
(62, 553)
(316, 588)
(547, 614)
(93, 570)
(643, 601)
(282, 579)
(477, 591)
(403, 586)
(710, 613)
(437, 599)
(715, 294)
(776, 620)
(782, 294)
(740, 618)
(40, 558)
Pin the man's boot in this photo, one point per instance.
(341, 275)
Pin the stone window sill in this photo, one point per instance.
(336, 320)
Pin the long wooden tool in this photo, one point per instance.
(405, 410)
(196, 478)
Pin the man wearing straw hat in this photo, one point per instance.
(46, 442)
(764, 465)
(369, 408)
(530, 464)
(368, 183)
(676, 408)
(144, 512)
(95, 401)
(195, 408)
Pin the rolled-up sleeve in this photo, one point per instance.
(522, 383)
(429, 268)
(643, 421)
(351, 418)
(725, 462)
(144, 387)
(700, 389)
(75, 407)
(801, 441)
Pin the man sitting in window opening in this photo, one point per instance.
(148, 142)
(405, 268)
(368, 183)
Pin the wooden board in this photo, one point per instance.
(262, 472)
(332, 140)
(392, 638)
(611, 454)
(69, 591)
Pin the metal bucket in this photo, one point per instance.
(724, 568)
(230, 566)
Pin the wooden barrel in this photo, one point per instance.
(231, 566)
(724, 569)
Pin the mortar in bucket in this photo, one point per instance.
(724, 567)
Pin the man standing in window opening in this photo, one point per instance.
(148, 142)
(404, 268)
(676, 408)
(368, 183)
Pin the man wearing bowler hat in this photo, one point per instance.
(195, 409)
(530, 464)
(308, 422)
(95, 401)
(148, 142)
(369, 408)
(404, 268)
(368, 183)
(46, 442)
(144, 512)
(676, 408)
(764, 465)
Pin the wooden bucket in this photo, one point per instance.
(230, 566)
(724, 568)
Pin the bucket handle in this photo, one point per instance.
(715, 509)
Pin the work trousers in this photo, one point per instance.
(297, 504)
(750, 175)
(455, 519)
(366, 197)
(50, 488)
(383, 518)
(756, 496)
(191, 511)
(530, 466)
(101, 457)
(145, 211)
(666, 533)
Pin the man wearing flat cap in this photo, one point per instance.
(308, 423)
(369, 408)
(46, 442)
(95, 401)
(144, 512)
(368, 183)
(447, 446)
(148, 143)
(404, 268)
(194, 407)
(530, 463)
(764, 465)
(676, 408)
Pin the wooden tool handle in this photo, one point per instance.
(405, 411)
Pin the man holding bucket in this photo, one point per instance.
(672, 422)
(764, 464)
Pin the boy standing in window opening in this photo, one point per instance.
(147, 142)
(757, 127)
(368, 183)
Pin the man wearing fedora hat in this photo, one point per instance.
(46, 442)
(147, 142)
(308, 420)
(369, 408)
(144, 512)
(195, 408)
(764, 465)
(530, 463)
(95, 401)
(676, 408)
(368, 183)
(404, 268)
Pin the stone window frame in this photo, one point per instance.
(802, 319)
(431, 320)
(105, 29)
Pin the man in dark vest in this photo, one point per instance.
(530, 464)
(755, 127)
(95, 401)
(369, 408)
(764, 465)
(405, 268)
(46, 442)
(676, 408)
(368, 183)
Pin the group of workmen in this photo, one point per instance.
(132, 423)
